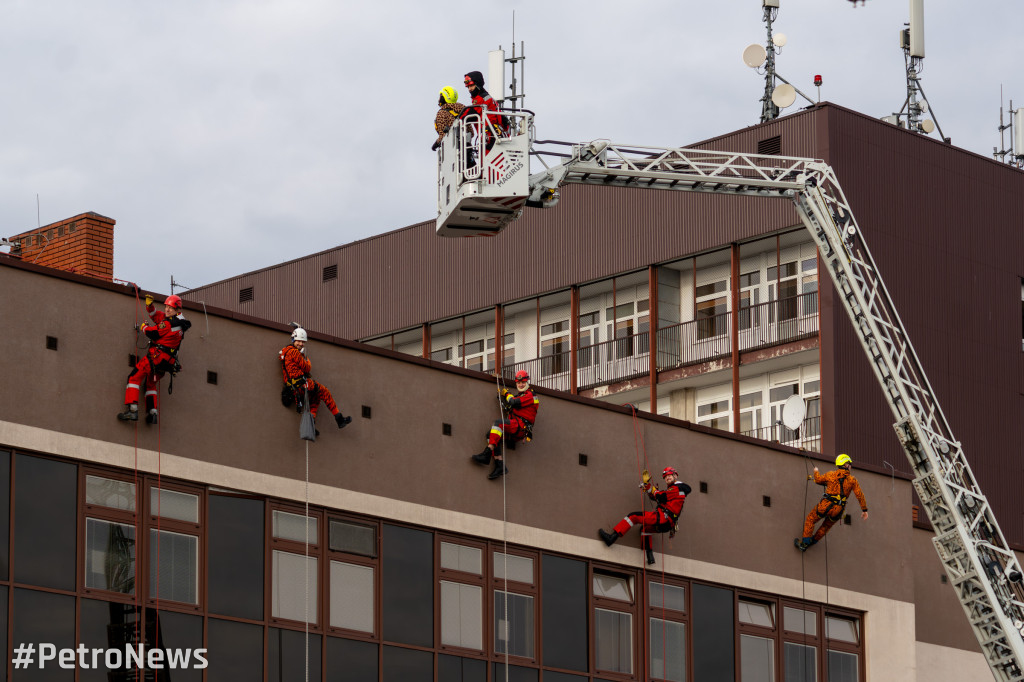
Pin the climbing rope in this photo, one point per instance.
(306, 563)
(499, 380)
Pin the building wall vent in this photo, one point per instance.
(771, 146)
(245, 295)
(330, 272)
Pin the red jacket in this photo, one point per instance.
(166, 333)
(485, 104)
(294, 365)
(524, 406)
(671, 499)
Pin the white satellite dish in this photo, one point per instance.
(754, 55)
(927, 126)
(924, 105)
(784, 95)
(779, 39)
(794, 412)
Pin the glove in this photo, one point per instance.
(436, 145)
(140, 326)
(646, 477)
(149, 300)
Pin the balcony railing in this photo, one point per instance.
(807, 437)
(687, 343)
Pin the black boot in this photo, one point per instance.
(609, 538)
(342, 420)
(499, 470)
(803, 544)
(129, 414)
(650, 556)
(483, 457)
(151, 417)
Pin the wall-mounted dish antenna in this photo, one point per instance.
(784, 96)
(911, 114)
(794, 411)
(779, 40)
(754, 55)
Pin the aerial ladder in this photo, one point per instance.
(481, 191)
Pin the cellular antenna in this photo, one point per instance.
(497, 62)
(1016, 127)
(776, 97)
(915, 106)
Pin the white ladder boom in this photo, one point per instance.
(982, 568)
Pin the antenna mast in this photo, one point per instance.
(517, 96)
(916, 103)
(769, 111)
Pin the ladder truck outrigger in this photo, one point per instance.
(480, 191)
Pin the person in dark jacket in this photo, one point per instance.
(165, 336)
(661, 520)
(483, 103)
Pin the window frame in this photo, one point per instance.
(151, 522)
(275, 544)
(355, 559)
(671, 615)
(631, 607)
(111, 515)
(464, 578)
(497, 584)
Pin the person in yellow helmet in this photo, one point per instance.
(839, 485)
(448, 109)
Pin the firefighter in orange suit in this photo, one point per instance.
(521, 412)
(661, 520)
(839, 485)
(165, 336)
(295, 368)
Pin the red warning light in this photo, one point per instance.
(817, 80)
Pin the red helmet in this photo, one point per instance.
(173, 301)
(669, 470)
(522, 375)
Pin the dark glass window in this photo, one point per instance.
(44, 617)
(354, 538)
(407, 573)
(5, 513)
(176, 632)
(515, 673)
(286, 655)
(564, 595)
(235, 651)
(407, 665)
(562, 677)
(45, 506)
(713, 636)
(351, 661)
(455, 669)
(106, 625)
(236, 557)
(3, 634)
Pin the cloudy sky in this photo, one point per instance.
(229, 135)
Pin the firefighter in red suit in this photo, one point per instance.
(295, 368)
(165, 335)
(663, 519)
(483, 103)
(520, 410)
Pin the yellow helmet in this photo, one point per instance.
(842, 460)
(449, 94)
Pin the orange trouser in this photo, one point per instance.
(826, 509)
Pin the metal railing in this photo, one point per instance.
(808, 436)
(700, 340)
(781, 321)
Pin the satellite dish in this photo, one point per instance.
(794, 412)
(924, 105)
(754, 55)
(779, 39)
(927, 126)
(784, 95)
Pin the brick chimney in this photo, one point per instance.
(83, 244)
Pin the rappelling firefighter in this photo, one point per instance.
(839, 485)
(298, 383)
(165, 335)
(519, 412)
(664, 519)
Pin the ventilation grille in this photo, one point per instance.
(771, 146)
(330, 272)
(245, 295)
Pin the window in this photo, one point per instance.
(236, 544)
(407, 586)
(783, 292)
(614, 606)
(667, 606)
(353, 575)
(294, 566)
(757, 640)
(800, 648)
(632, 324)
(441, 355)
(173, 536)
(110, 542)
(514, 598)
(554, 348)
(508, 353)
(711, 304)
(715, 414)
(461, 589)
(750, 297)
(843, 641)
(45, 506)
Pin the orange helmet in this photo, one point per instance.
(669, 470)
(173, 301)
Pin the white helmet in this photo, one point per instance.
(299, 335)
